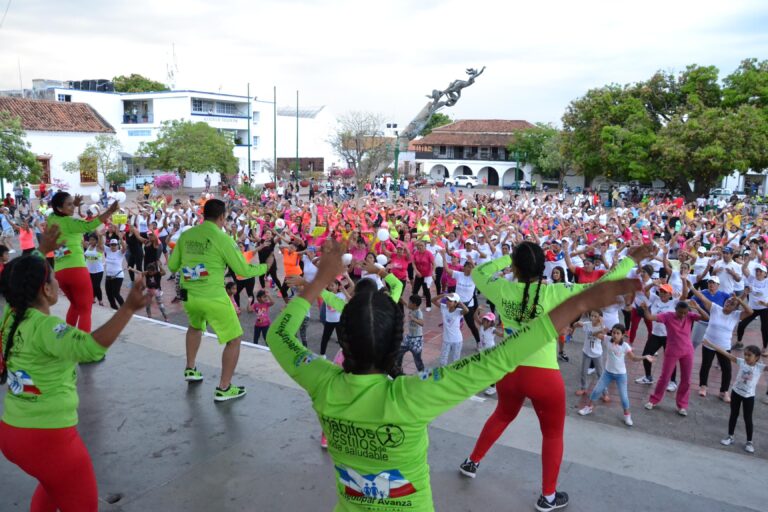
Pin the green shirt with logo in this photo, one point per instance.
(70, 252)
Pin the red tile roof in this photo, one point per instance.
(474, 132)
(55, 116)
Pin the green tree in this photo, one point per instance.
(17, 162)
(99, 159)
(137, 83)
(117, 177)
(183, 146)
(747, 85)
(543, 146)
(358, 140)
(437, 119)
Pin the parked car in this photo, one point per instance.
(462, 181)
(718, 192)
(519, 185)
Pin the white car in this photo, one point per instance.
(462, 181)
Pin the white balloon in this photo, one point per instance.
(381, 260)
(346, 259)
(499, 195)
(94, 196)
(49, 211)
(279, 224)
(120, 196)
(383, 234)
(463, 203)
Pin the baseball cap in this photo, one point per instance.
(761, 267)
(666, 288)
(453, 297)
(728, 250)
(469, 241)
(494, 238)
(114, 241)
(701, 250)
(714, 279)
(490, 317)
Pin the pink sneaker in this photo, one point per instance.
(323, 442)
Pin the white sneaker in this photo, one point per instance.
(490, 391)
(429, 309)
(12, 251)
(644, 380)
(682, 412)
(590, 371)
(628, 420)
(672, 386)
(587, 409)
(749, 447)
(728, 441)
(649, 406)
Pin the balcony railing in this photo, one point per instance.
(429, 155)
(138, 118)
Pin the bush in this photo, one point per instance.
(167, 181)
(117, 177)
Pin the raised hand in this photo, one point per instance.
(49, 239)
(640, 252)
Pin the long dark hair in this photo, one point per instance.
(57, 201)
(370, 333)
(20, 284)
(529, 265)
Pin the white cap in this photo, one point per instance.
(453, 297)
(494, 238)
(469, 241)
(761, 267)
(701, 250)
(714, 279)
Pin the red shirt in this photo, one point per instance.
(424, 262)
(399, 266)
(584, 277)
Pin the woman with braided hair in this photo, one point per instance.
(38, 356)
(538, 377)
(376, 424)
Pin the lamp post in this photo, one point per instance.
(274, 129)
(250, 121)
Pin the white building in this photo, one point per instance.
(58, 133)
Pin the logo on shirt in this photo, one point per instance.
(431, 373)
(61, 252)
(60, 330)
(390, 435)
(20, 383)
(304, 359)
(194, 273)
(387, 484)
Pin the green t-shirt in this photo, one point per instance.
(42, 391)
(377, 426)
(337, 303)
(70, 253)
(203, 254)
(508, 298)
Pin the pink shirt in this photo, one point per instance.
(262, 313)
(678, 332)
(399, 266)
(424, 261)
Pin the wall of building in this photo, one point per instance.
(63, 147)
(482, 169)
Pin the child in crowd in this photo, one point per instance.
(261, 308)
(743, 390)
(592, 352)
(331, 317)
(231, 288)
(615, 371)
(153, 276)
(414, 339)
(5, 256)
(452, 310)
(488, 331)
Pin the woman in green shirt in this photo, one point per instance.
(38, 358)
(71, 270)
(376, 425)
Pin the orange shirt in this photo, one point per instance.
(248, 255)
(291, 262)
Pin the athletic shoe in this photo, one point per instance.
(560, 501)
(765, 352)
(429, 309)
(644, 380)
(193, 375)
(490, 391)
(672, 386)
(725, 397)
(232, 392)
(587, 409)
(682, 412)
(628, 420)
(563, 357)
(728, 441)
(749, 447)
(323, 442)
(469, 468)
(649, 406)
(581, 392)
(738, 346)
(590, 371)
(703, 391)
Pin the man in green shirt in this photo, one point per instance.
(203, 254)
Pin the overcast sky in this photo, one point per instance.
(382, 56)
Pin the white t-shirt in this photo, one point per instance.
(658, 307)
(593, 344)
(487, 337)
(611, 313)
(113, 263)
(94, 260)
(727, 282)
(720, 329)
(614, 356)
(331, 315)
(451, 324)
(465, 287)
(758, 291)
(747, 378)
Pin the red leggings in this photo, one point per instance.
(546, 390)
(76, 285)
(634, 323)
(59, 460)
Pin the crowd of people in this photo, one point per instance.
(517, 273)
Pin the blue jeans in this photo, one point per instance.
(605, 380)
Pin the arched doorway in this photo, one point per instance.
(488, 176)
(438, 172)
(462, 170)
(512, 175)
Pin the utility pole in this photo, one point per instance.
(297, 136)
(250, 122)
(274, 133)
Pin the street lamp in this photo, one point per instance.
(274, 130)
(518, 156)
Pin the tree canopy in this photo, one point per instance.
(99, 159)
(437, 119)
(184, 146)
(137, 83)
(17, 162)
(359, 141)
(543, 147)
(677, 128)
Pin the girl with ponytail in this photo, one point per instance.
(38, 357)
(376, 424)
(538, 377)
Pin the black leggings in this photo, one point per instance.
(273, 274)
(247, 285)
(652, 346)
(439, 280)
(627, 318)
(113, 285)
(749, 405)
(328, 328)
(96, 285)
(135, 260)
(469, 318)
(418, 282)
(763, 314)
(707, 356)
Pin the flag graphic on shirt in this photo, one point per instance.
(19, 382)
(194, 273)
(61, 252)
(387, 484)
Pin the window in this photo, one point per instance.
(202, 106)
(442, 150)
(254, 166)
(228, 109)
(256, 117)
(255, 141)
(88, 172)
(64, 97)
(45, 164)
(484, 153)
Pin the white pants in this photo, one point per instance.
(451, 352)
